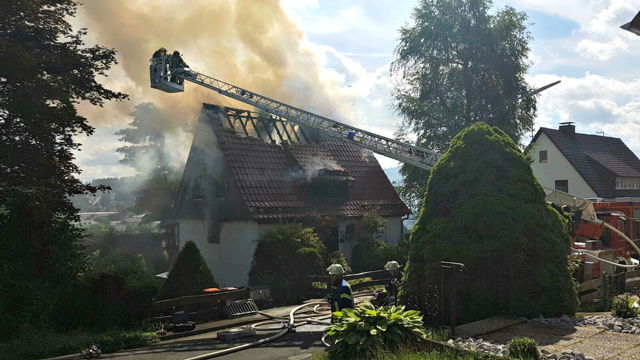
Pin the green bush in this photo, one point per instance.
(116, 291)
(361, 332)
(622, 307)
(523, 348)
(189, 275)
(484, 208)
(370, 255)
(140, 284)
(337, 257)
(38, 343)
(284, 259)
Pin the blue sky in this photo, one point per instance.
(333, 57)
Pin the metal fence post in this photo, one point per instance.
(605, 291)
(451, 268)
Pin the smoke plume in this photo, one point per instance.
(252, 44)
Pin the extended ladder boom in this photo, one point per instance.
(163, 79)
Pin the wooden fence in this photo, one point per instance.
(216, 299)
(601, 289)
(378, 277)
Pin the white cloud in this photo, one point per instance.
(601, 50)
(595, 103)
(577, 11)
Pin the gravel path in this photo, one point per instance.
(604, 322)
(625, 326)
(492, 348)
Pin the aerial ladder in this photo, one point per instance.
(171, 79)
(168, 73)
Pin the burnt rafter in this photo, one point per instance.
(267, 127)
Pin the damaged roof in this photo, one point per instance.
(271, 177)
(598, 159)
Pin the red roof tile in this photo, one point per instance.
(271, 178)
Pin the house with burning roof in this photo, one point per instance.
(588, 166)
(247, 173)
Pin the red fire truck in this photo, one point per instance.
(598, 229)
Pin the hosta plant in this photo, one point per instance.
(359, 332)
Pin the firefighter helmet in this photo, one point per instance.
(335, 269)
(392, 266)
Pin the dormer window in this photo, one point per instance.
(627, 183)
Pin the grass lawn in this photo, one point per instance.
(408, 354)
(38, 343)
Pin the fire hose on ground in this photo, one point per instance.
(306, 319)
(291, 324)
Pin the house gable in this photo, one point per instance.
(606, 164)
(556, 167)
(264, 172)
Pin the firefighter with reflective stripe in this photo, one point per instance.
(341, 296)
(393, 267)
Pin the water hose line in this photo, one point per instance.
(286, 329)
(623, 235)
(610, 262)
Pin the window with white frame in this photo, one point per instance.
(627, 183)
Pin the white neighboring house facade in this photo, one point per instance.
(594, 167)
(247, 173)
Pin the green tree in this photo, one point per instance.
(369, 254)
(144, 139)
(189, 275)
(284, 259)
(47, 70)
(144, 151)
(484, 208)
(458, 65)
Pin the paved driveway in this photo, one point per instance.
(293, 346)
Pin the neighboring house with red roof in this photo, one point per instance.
(247, 173)
(588, 166)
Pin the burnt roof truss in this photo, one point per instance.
(269, 128)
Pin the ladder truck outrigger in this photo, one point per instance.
(168, 73)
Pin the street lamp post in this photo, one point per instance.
(633, 25)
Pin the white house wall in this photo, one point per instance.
(557, 167)
(230, 259)
(393, 230)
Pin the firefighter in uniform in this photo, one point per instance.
(341, 296)
(389, 296)
(176, 63)
(393, 267)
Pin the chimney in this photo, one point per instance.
(567, 128)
